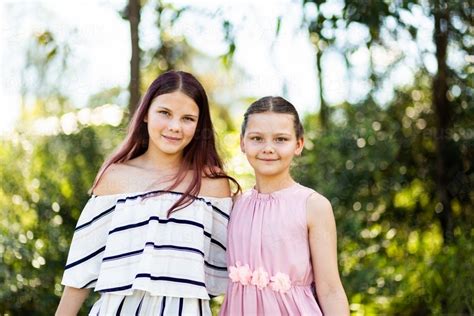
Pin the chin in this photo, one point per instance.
(170, 150)
(267, 171)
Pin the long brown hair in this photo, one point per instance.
(200, 155)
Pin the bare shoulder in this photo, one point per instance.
(214, 187)
(113, 180)
(207, 170)
(318, 210)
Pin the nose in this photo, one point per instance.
(174, 125)
(268, 149)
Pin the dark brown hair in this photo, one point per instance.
(200, 155)
(276, 105)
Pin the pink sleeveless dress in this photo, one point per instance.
(268, 255)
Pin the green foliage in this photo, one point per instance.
(377, 167)
(44, 187)
(376, 164)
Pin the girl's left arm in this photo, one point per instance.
(323, 246)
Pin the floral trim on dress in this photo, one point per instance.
(280, 282)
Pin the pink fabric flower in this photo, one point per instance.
(280, 282)
(239, 273)
(234, 273)
(260, 278)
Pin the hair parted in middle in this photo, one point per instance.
(275, 105)
(200, 155)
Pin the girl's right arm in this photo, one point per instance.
(73, 297)
(71, 301)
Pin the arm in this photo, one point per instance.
(84, 242)
(71, 301)
(323, 246)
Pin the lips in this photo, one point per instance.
(267, 159)
(174, 139)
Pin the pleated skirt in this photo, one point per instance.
(142, 303)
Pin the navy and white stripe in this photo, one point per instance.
(163, 306)
(143, 304)
(123, 244)
(144, 195)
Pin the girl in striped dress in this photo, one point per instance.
(152, 238)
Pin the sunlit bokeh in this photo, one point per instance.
(387, 116)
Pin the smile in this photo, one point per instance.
(173, 139)
(267, 159)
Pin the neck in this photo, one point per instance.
(273, 183)
(156, 160)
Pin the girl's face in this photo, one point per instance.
(270, 143)
(171, 122)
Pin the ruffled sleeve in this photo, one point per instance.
(88, 243)
(216, 263)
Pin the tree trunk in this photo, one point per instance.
(323, 110)
(134, 86)
(443, 116)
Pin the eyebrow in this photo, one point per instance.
(169, 110)
(277, 134)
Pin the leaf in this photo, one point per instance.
(278, 26)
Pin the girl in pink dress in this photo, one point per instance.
(281, 235)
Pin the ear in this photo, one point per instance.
(145, 119)
(299, 146)
(242, 145)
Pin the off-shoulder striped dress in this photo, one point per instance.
(144, 263)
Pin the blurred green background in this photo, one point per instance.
(389, 133)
